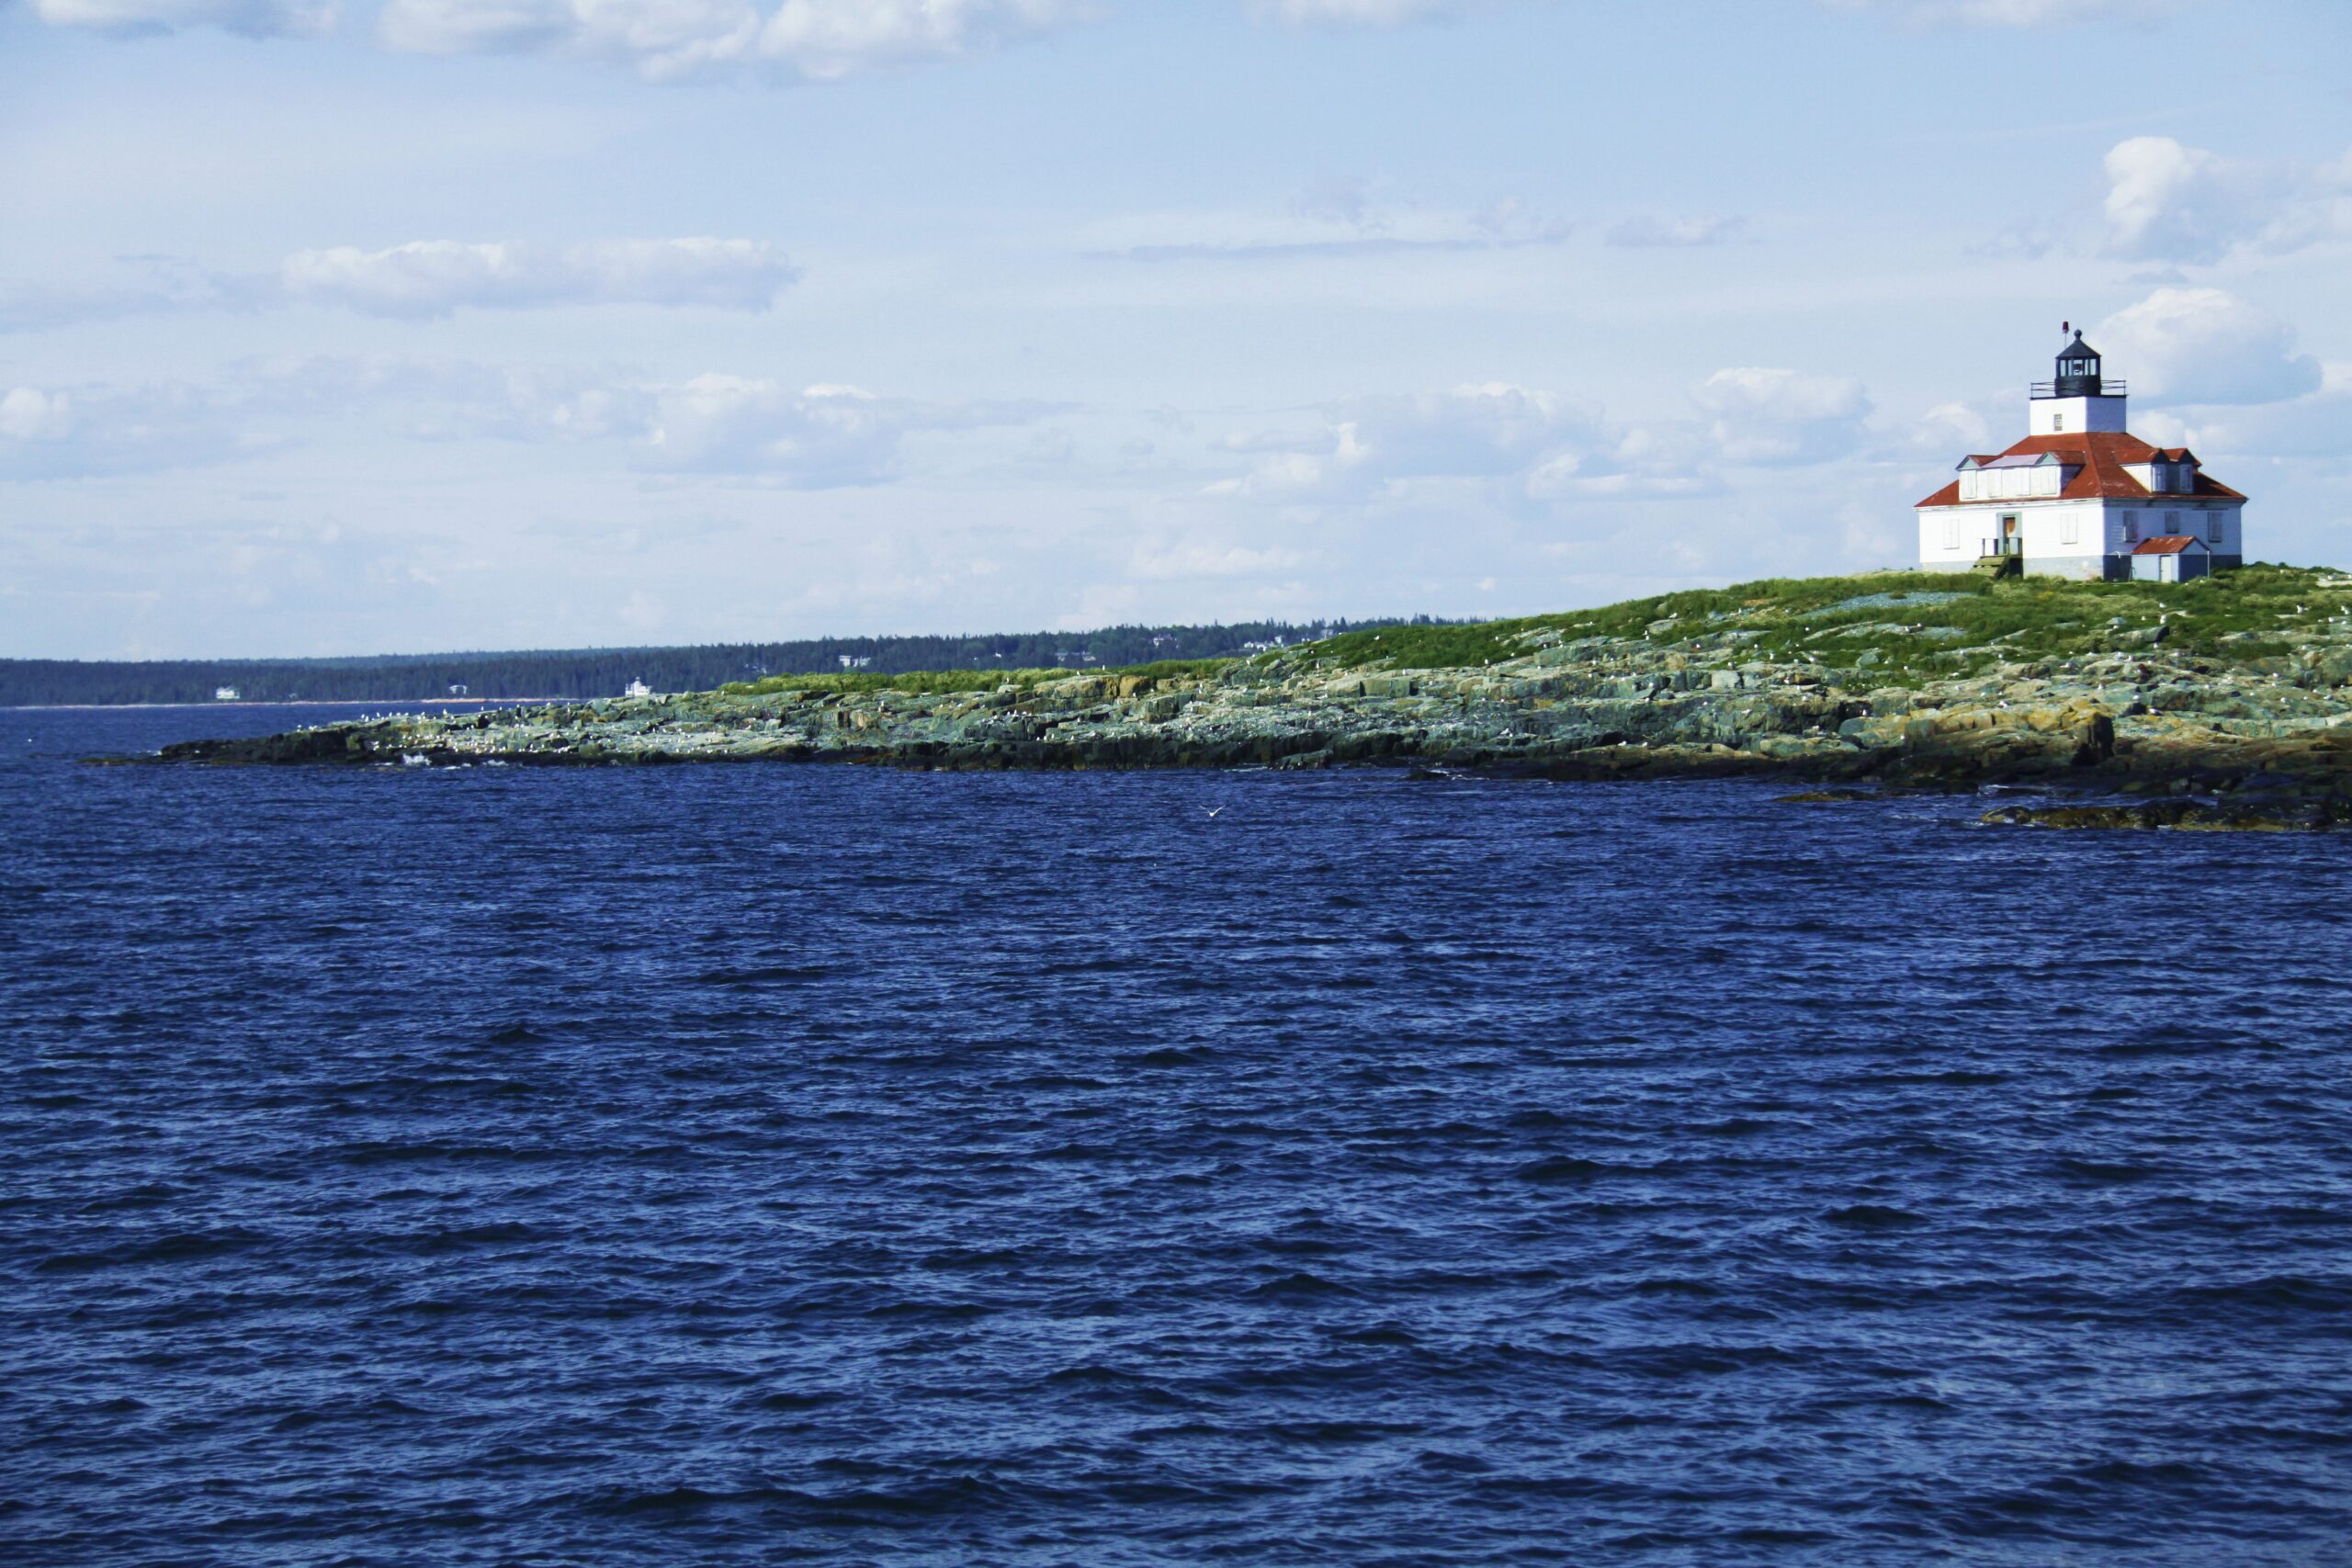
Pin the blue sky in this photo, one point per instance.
(480, 324)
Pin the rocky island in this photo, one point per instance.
(2226, 701)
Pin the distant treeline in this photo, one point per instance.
(608, 671)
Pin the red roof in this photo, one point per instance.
(2098, 457)
(2168, 544)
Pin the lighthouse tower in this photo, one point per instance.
(2078, 398)
(2081, 496)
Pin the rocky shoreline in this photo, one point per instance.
(2136, 717)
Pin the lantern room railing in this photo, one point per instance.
(2110, 387)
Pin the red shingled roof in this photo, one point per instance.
(2099, 457)
(2168, 544)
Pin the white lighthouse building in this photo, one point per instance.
(2081, 496)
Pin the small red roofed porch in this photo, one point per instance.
(2170, 557)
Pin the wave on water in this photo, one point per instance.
(759, 1164)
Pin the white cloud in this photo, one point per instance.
(1782, 416)
(1485, 430)
(253, 18)
(157, 283)
(1332, 218)
(2205, 345)
(2016, 14)
(2305, 428)
(1310, 441)
(2169, 202)
(1513, 445)
(1653, 460)
(1369, 444)
(819, 40)
(29, 413)
(1166, 559)
(821, 437)
(818, 438)
(1638, 466)
(1953, 426)
(429, 277)
(434, 277)
(825, 39)
(461, 400)
(1357, 13)
(2024, 239)
(1646, 232)
(1336, 198)
(74, 433)
(1299, 475)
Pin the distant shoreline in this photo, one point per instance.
(33, 681)
(300, 703)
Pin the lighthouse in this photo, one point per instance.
(2081, 496)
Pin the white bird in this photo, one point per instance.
(1212, 812)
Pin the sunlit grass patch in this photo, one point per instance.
(1900, 627)
(935, 682)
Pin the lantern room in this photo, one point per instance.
(2078, 371)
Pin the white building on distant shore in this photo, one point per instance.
(2081, 496)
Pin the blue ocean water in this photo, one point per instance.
(758, 1164)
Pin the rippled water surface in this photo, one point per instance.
(745, 1165)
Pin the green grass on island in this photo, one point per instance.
(1897, 627)
(926, 682)
(1904, 624)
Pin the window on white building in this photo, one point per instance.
(2130, 527)
(2213, 526)
(2070, 532)
(2172, 522)
(1952, 533)
(2057, 420)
